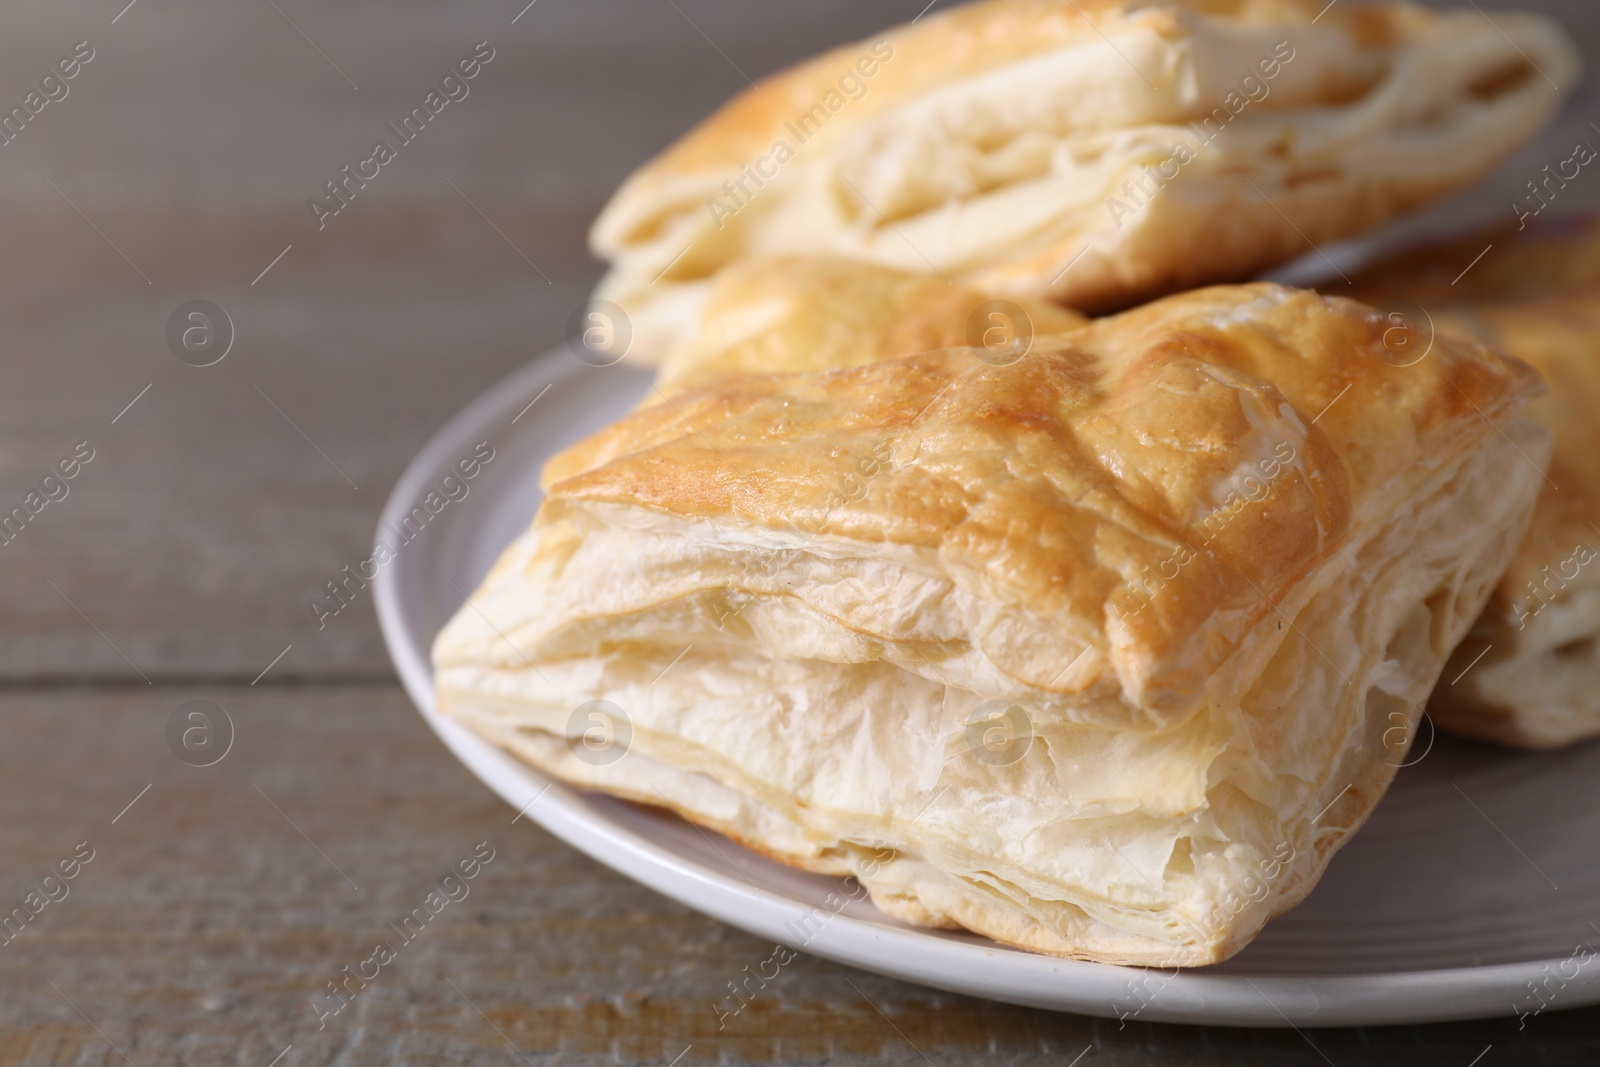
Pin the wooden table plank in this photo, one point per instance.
(209, 918)
(207, 520)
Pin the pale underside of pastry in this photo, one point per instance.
(1529, 673)
(792, 314)
(1098, 152)
(1101, 653)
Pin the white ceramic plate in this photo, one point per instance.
(1478, 875)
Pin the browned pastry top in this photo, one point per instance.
(1098, 474)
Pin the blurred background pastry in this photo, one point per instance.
(1001, 144)
(814, 313)
(1529, 673)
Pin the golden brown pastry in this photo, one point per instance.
(1529, 673)
(1095, 653)
(1099, 152)
(813, 313)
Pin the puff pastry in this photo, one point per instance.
(1100, 653)
(812, 313)
(1529, 673)
(1099, 152)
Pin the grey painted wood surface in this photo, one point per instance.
(178, 565)
(217, 907)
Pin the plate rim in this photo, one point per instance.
(994, 971)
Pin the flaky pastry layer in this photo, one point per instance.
(1098, 152)
(1101, 653)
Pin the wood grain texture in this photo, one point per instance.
(178, 167)
(208, 920)
(185, 552)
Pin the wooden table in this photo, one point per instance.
(221, 899)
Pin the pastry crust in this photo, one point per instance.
(1101, 653)
(1098, 152)
(788, 314)
(1526, 675)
